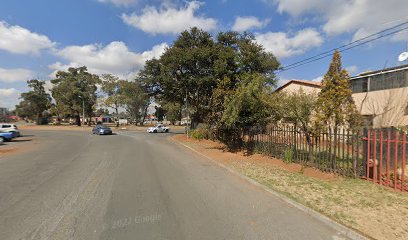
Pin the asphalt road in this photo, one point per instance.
(136, 186)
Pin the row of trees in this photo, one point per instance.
(76, 90)
(228, 82)
(225, 81)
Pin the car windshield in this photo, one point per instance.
(104, 127)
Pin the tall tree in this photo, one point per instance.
(184, 73)
(34, 102)
(335, 106)
(134, 99)
(247, 106)
(195, 66)
(239, 61)
(74, 89)
(111, 86)
(160, 113)
(173, 111)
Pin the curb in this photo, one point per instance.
(351, 233)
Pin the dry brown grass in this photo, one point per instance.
(376, 211)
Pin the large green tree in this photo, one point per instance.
(184, 73)
(335, 106)
(34, 102)
(134, 99)
(239, 62)
(111, 86)
(173, 111)
(247, 105)
(74, 88)
(196, 66)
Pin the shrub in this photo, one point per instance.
(199, 134)
(288, 156)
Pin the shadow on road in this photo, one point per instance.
(21, 140)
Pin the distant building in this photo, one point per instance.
(297, 85)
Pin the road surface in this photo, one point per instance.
(136, 185)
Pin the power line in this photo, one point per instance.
(346, 47)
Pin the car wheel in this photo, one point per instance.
(1, 140)
(167, 130)
(155, 131)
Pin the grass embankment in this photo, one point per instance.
(376, 211)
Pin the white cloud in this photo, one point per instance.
(317, 79)
(242, 24)
(352, 69)
(9, 97)
(283, 45)
(359, 17)
(15, 75)
(170, 20)
(113, 58)
(16, 39)
(120, 2)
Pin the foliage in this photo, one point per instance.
(134, 99)
(288, 156)
(184, 72)
(101, 112)
(204, 72)
(297, 108)
(335, 106)
(173, 111)
(160, 113)
(73, 88)
(199, 134)
(34, 102)
(111, 86)
(247, 105)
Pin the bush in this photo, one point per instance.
(199, 134)
(288, 156)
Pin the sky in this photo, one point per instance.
(39, 38)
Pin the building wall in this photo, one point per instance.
(296, 87)
(387, 107)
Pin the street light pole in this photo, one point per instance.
(188, 115)
(83, 109)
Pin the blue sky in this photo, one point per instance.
(38, 38)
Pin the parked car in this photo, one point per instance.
(102, 130)
(6, 136)
(8, 127)
(159, 128)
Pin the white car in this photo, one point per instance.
(158, 129)
(8, 127)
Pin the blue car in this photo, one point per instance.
(7, 136)
(102, 130)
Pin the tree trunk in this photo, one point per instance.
(310, 145)
(117, 117)
(78, 120)
(144, 113)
